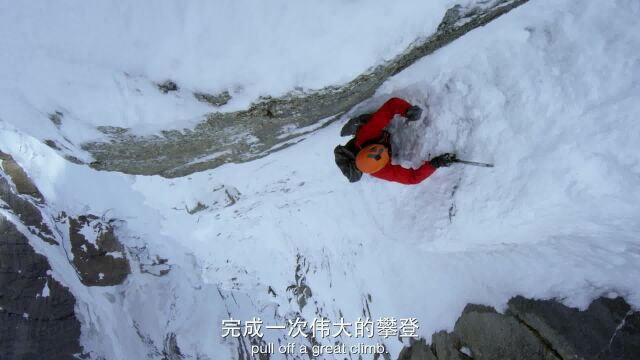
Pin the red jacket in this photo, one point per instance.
(372, 130)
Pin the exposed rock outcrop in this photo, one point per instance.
(215, 100)
(418, 350)
(537, 329)
(37, 313)
(24, 185)
(167, 86)
(271, 123)
(98, 255)
(37, 318)
(607, 329)
(300, 290)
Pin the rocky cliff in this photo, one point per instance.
(37, 312)
(537, 330)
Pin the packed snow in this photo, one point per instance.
(89, 233)
(549, 93)
(98, 63)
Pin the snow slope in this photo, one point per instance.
(98, 62)
(548, 93)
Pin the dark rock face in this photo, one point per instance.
(625, 344)
(535, 329)
(605, 330)
(267, 125)
(418, 350)
(482, 328)
(101, 261)
(28, 213)
(37, 319)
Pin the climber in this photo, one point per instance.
(369, 151)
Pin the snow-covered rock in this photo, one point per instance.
(98, 254)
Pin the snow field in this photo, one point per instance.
(98, 63)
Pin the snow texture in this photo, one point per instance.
(98, 63)
(549, 93)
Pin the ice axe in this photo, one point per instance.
(474, 163)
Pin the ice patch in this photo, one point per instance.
(115, 254)
(45, 289)
(465, 350)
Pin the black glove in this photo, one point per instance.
(352, 126)
(413, 113)
(443, 160)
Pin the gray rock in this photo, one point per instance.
(267, 125)
(216, 100)
(491, 336)
(446, 346)
(34, 324)
(625, 343)
(418, 350)
(539, 329)
(167, 86)
(575, 334)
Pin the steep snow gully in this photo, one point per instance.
(549, 93)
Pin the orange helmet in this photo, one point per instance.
(372, 158)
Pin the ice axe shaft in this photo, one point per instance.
(473, 163)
